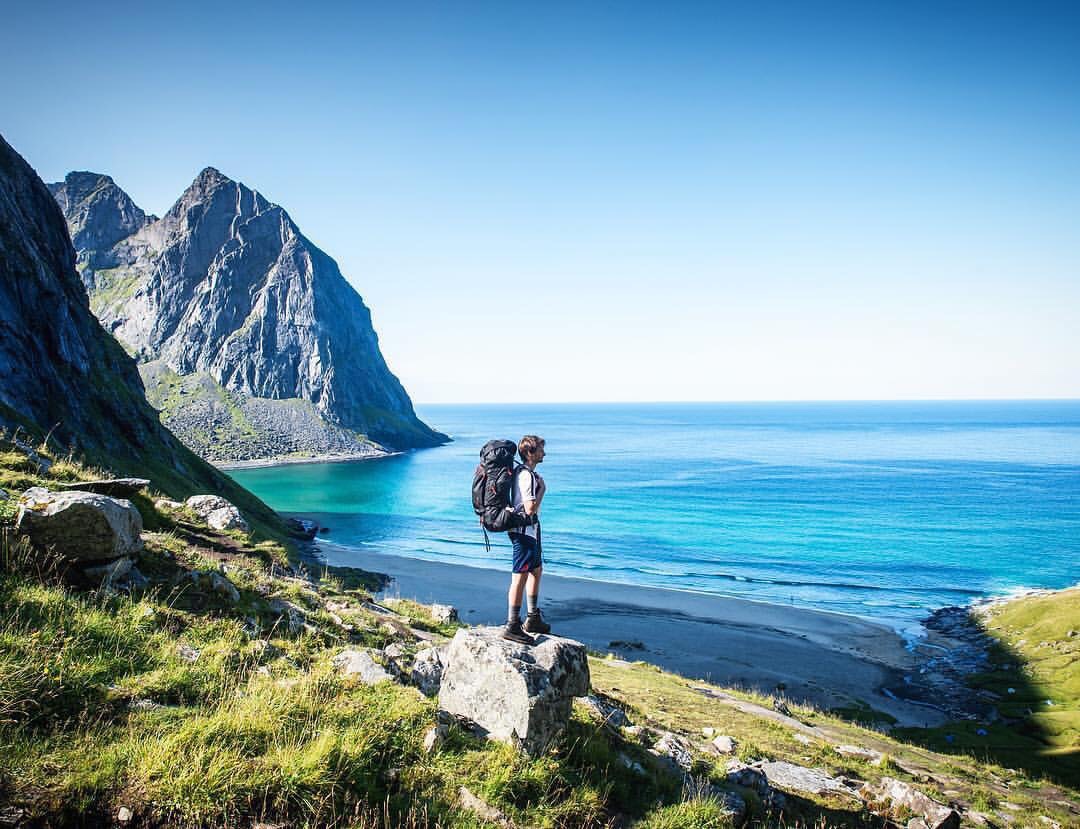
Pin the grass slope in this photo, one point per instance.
(192, 710)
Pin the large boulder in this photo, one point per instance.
(218, 513)
(80, 526)
(518, 694)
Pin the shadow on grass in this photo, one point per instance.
(1034, 723)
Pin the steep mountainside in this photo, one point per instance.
(225, 286)
(60, 371)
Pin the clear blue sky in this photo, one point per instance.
(666, 201)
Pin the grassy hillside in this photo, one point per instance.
(1034, 682)
(193, 710)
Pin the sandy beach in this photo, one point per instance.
(262, 463)
(821, 658)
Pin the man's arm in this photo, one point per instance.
(532, 494)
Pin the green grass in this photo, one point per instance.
(101, 705)
(1036, 657)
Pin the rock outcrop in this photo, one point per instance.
(63, 375)
(225, 287)
(518, 694)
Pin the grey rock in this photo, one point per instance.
(444, 613)
(362, 665)
(225, 285)
(936, 815)
(750, 777)
(224, 588)
(395, 650)
(80, 526)
(218, 513)
(116, 487)
(435, 737)
(124, 815)
(795, 778)
(188, 653)
(859, 753)
(483, 810)
(4, 495)
(630, 763)
(673, 751)
(167, 505)
(518, 694)
(427, 671)
(292, 614)
(109, 573)
(607, 713)
(723, 744)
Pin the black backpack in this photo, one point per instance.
(491, 486)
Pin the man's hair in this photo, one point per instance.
(529, 444)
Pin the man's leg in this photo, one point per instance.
(534, 622)
(513, 596)
(532, 589)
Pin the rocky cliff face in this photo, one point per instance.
(60, 372)
(225, 285)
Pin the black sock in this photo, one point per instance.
(514, 614)
(533, 601)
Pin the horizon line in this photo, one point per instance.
(749, 401)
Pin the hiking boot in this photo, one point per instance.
(513, 632)
(534, 623)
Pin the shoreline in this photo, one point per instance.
(264, 463)
(828, 660)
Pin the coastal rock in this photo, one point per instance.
(302, 528)
(116, 487)
(80, 526)
(427, 671)
(518, 694)
(225, 288)
(218, 513)
(936, 815)
(361, 665)
(444, 614)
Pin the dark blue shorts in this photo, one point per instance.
(526, 553)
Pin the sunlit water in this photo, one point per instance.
(882, 510)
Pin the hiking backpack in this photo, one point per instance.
(491, 487)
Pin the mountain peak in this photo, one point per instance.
(211, 177)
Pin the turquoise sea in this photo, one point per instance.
(881, 510)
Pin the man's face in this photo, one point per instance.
(538, 455)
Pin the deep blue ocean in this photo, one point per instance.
(881, 510)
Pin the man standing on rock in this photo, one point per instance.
(527, 494)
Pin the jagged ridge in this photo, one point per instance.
(225, 284)
(62, 374)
